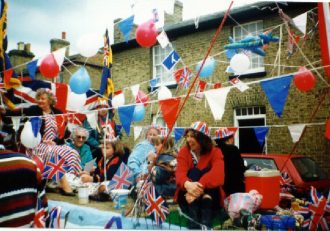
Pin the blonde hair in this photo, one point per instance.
(50, 95)
(168, 147)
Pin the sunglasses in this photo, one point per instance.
(81, 137)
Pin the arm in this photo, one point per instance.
(182, 168)
(214, 177)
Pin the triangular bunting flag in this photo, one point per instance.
(32, 68)
(300, 22)
(137, 132)
(169, 108)
(295, 131)
(125, 27)
(36, 124)
(61, 124)
(199, 89)
(261, 133)
(153, 83)
(135, 89)
(178, 133)
(217, 101)
(7, 75)
(92, 118)
(276, 91)
(59, 56)
(16, 122)
(126, 115)
(118, 127)
(236, 82)
(163, 39)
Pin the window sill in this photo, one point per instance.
(169, 86)
(249, 75)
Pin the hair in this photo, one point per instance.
(221, 142)
(118, 147)
(203, 140)
(168, 147)
(79, 129)
(45, 91)
(149, 128)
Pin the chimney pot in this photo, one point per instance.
(63, 35)
(27, 47)
(20, 46)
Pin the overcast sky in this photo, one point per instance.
(38, 21)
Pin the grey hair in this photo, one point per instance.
(79, 129)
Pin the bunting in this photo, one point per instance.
(126, 26)
(261, 133)
(126, 115)
(216, 99)
(169, 108)
(277, 91)
(178, 133)
(295, 131)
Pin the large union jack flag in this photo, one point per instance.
(155, 206)
(183, 76)
(55, 168)
(317, 212)
(122, 179)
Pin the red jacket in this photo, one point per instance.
(212, 179)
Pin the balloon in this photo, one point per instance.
(80, 82)
(208, 68)
(75, 101)
(240, 63)
(327, 130)
(118, 100)
(304, 79)
(164, 93)
(49, 67)
(139, 113)
(27, 137)
(141, 97)
(146, 34)
(89, 44)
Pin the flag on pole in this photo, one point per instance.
(122, 179)
(106, 86)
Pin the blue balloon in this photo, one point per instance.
(139, 113)
(208, 68)
(80, 82)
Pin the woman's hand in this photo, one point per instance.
(86, 178)
(196, 189)
(190, 198)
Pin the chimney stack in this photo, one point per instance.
(20, 46)
(56, 44)
(27, 47)
(63, 35)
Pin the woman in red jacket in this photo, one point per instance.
(199, 176)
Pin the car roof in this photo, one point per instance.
(261, 155)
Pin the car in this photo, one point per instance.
(299, 171)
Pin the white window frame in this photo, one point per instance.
(257, 61)
(245, 117)
(158, 71)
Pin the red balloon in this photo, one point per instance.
(49, 67)
(146, 34)
(304, 79)
(327, 130)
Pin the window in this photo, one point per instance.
(246, 118)
(165, 76)
(252, 29)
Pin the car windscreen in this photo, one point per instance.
(259, 163)
(308, 169)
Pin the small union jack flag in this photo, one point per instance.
(156, 206)
(41, 213)
(317, 211)
(183, 76)
(55, 217)
(122, 179)
(286, 182)
(55, 168)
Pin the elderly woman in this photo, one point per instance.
(199, 176)
(79, 136)
(52, 128)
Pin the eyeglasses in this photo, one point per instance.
(81, 137)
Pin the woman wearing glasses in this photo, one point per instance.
(78, 142)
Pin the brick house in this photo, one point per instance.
(133, 64)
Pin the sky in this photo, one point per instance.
(39, 21)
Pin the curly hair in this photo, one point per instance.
(50, 95)
(203, 140)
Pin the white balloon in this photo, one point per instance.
(76, 101)
(89, 44)
(118, 100)
(27, 136)
(240, 63)
(164, 93)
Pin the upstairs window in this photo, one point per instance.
(159, 54)
(251, 29)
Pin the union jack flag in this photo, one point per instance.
(122, 179)
(55, 168)
(41, 213)
(286, 182)
(55, 217)
(317, 211)
(183, 76)
(156, 206)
